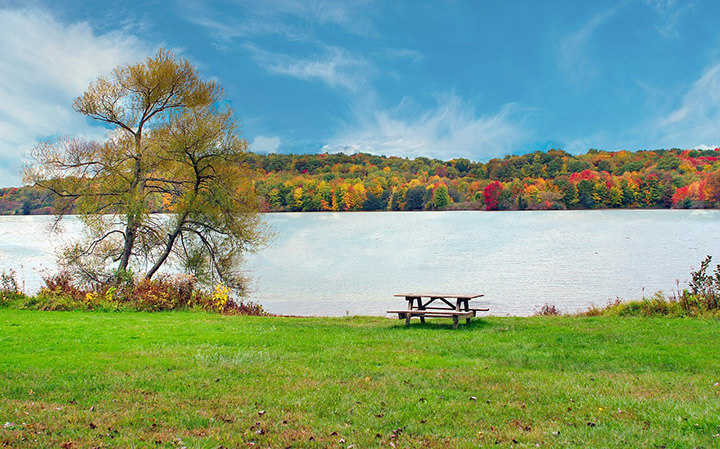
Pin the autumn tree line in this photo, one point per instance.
(547, 180)
(537, 181)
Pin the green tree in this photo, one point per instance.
(414, 198)
(170, 140)
(441, 197)
(569, 193)
(585, 192)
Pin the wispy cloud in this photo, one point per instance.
(572, 49)
(334, 66)
(694, 123)
(343, 14)
(293, 19)
(452, 129)
(404, 53)
(671, 12)
(45, 64)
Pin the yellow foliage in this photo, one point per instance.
(167, 201)
(220, 297)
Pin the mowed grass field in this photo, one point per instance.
(187, 379)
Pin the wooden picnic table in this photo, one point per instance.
(451, 305)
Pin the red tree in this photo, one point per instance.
(491, 193)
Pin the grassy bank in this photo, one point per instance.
(174, 379)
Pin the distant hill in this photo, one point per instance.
(540, 180)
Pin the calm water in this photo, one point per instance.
(338, 263)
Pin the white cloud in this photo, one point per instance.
(335, 67)
(45, 65)
(572, 51)
(694, 123)
(265, 144)
(450, 130)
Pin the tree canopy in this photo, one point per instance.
(171, 142)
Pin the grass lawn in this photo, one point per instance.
(183, 379)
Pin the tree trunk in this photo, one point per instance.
(168, 247)
(130, 234)
(133, 219)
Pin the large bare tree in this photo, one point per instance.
(171, 142)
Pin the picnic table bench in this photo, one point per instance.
(417, 307)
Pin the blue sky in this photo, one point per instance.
(476, 79)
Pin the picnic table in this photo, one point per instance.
(438, 305)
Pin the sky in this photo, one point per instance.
(444, 79)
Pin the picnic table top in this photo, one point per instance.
(440, 295)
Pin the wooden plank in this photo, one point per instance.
(441, 308)
(449, 304)
(435, 314)
(431, 311)
(440, 295)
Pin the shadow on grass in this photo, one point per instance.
(442, 323)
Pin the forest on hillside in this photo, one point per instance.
(541, 180)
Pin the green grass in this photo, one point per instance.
(174, 379)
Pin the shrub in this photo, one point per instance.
(165, 292)
(548, 310)
(9, 289)
(706, 287)
(702, 300)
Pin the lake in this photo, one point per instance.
(353, 263)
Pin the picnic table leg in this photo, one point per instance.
(407, 319)
(419, 306)
(467, 307)
(455, 322)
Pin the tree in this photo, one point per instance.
(491, 194)
(712, 188)
(170, 142)
(414, 198)
(585, 192)
(441, 197)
